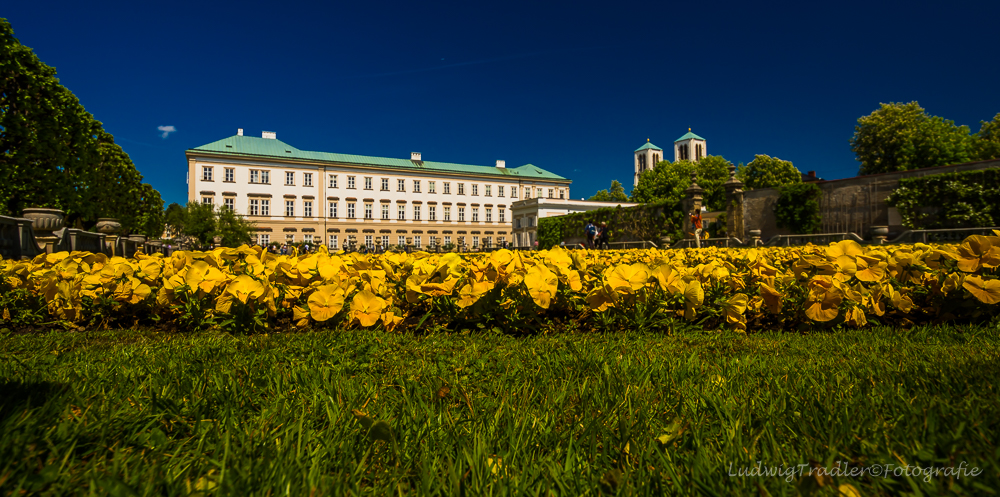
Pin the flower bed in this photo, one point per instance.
(246, 290)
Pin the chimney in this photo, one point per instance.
(502, 164)
(812, 175)
(415, 156)
(271, 135)
(239, 131)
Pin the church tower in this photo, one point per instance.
(689, 147)
(646, 157)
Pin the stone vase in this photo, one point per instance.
(880, 231)
(108, 225)
(140, 239)
(43, 220)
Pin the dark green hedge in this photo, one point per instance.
(797, 208)
(642, 222)
(949, 200)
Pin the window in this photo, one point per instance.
(475, 241)
(206, 173)
(368, 210)
(333, 242)
(307, 208)
(401, 212)
(350, 182)
(447, 240)
(416, 186)
(206, 200)
(538, 192)
(254, 207)
(265, 177)
(501, 215)
(265, 207)
(416, 241)
(402, 240)
(487, 187)
(385, 184)
(489, 215)
(562, 193)
(527, 192)
(475, 214)
(254, 176)
(401, 185)
(333, 182)
(488, 241)
(475, 189)
(513, 192)
(517, 223)
(447, 188)
(289, 178)
(308, 238)
(461, 214)
(307, 179)
(229, 203)
(230, 175)
(461, 188)
(430, 187)
(499, 190)
(550, 193)
(432, 212)
(385, 213)
(333, 209)
(447, 213)
(289, 207)
(368, 183)
(416, 212)
(350, 210)
(264, 239)
(501, 240)
(385, 241)
(368, 242)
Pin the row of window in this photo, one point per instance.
(371, 240)
(262, 176)
(262, 207)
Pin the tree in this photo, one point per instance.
(199, 224)
(986, 143)
(617, 193)
(798, 208)
(768, 172)
(668, 180)
(53, 153)
(899, 137)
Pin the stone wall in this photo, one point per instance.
(848, 205)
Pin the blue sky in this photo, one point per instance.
(571, 87)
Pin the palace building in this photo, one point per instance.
(296, 195)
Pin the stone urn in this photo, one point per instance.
(755, 233)
(140, 239)
(108, 225)
(880, 231)
(44, 221)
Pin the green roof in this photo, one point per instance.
(251, 146)
(648, 146)
(687, 136)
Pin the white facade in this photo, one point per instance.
(690, 147)
(325, 198)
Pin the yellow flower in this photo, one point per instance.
(245, 288)
(472, 292)
(366, 307)
(542, 285)
(694, 296)
(987, 291)
(978, 251)
(326, 302)
(628, 279)
(735, 306)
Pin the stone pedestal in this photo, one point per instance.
(44, 223)
(110, 227)
(880, 234)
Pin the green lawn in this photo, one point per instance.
(145, 413)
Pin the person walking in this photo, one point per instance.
(605, 235)
(591, 232)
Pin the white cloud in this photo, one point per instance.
(166, 130)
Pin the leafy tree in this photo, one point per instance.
(53, 153)
(986, 145)
(617, 193)
(899, 136)
(199, 224)
(768, 172)
(668, 180)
